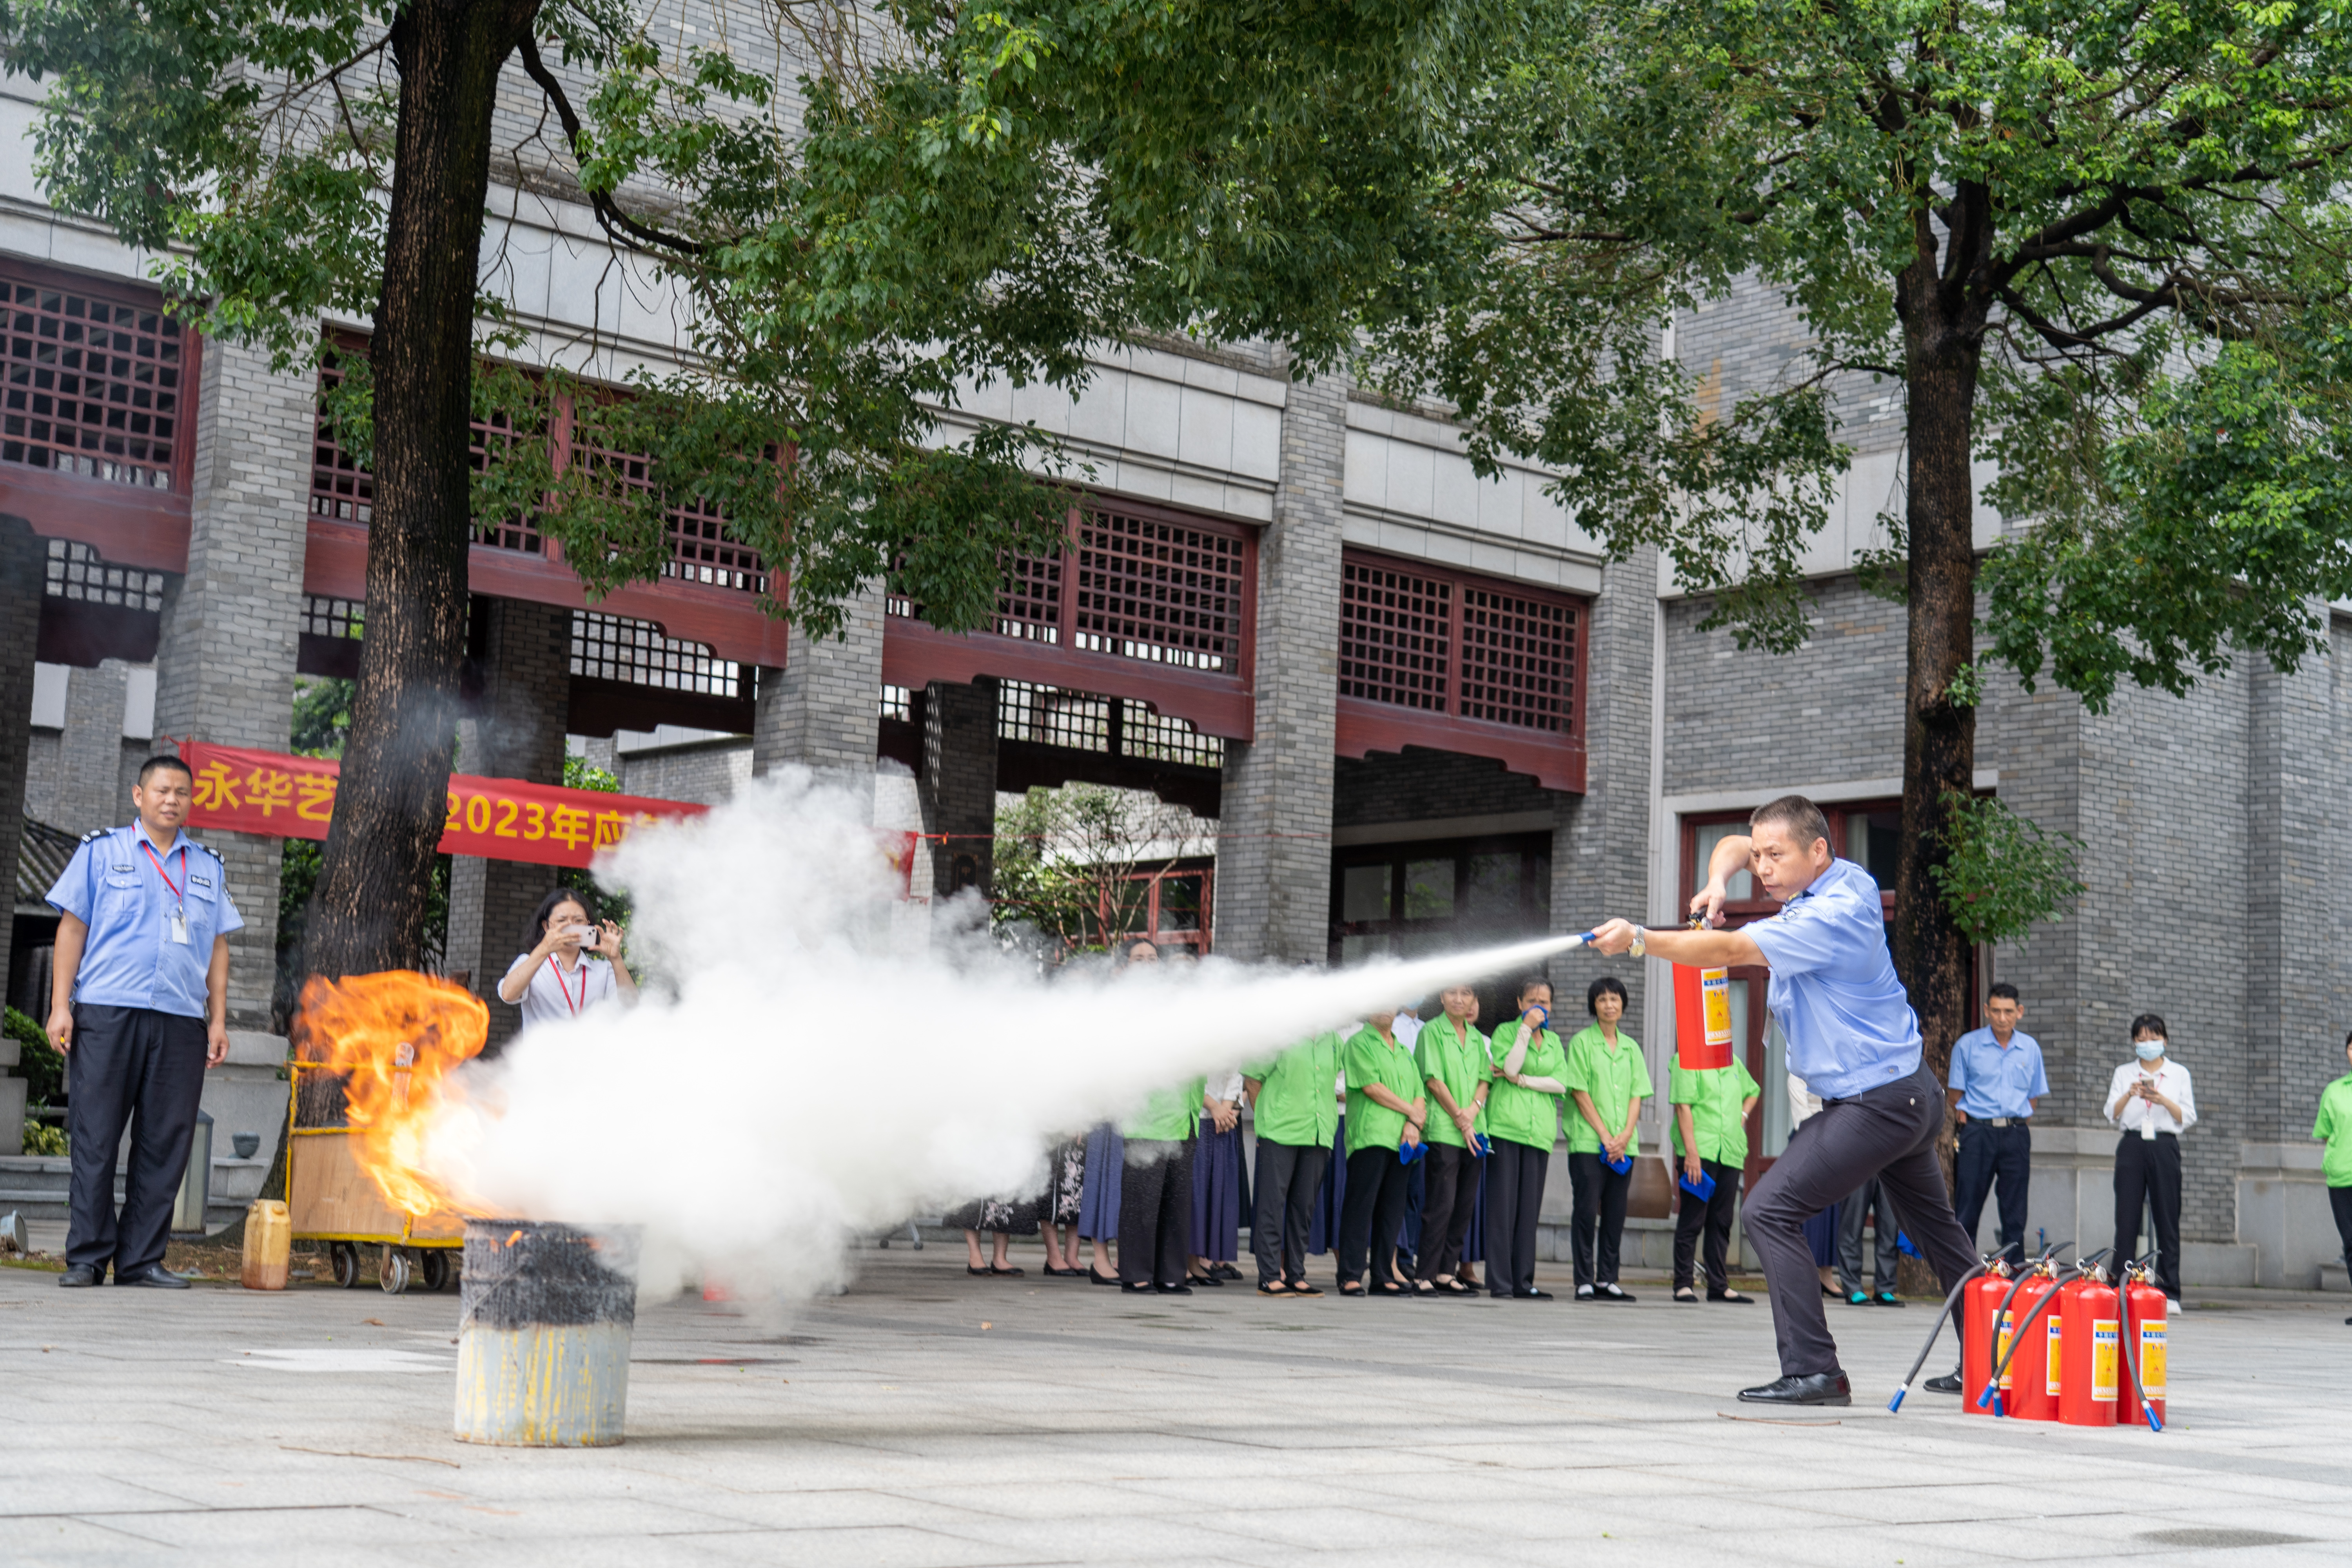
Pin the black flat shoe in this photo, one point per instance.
(983, 1273)
(1817, 1388)
(1451, 1287)
(1275, 1288)
(1053, 1273)
(1352, 1290)
(1113, 1281)
(1224, 1271)
(1135, 1286)
(1008, 1273)
(1301, 1288)
(1611, 1293)
(155, 1276)
(1733, 1297)
(1531, 1295)
(1686, 1297)
(1951, 1382)
(1171, 1289)
(1392, 1290)
(1209, 1279)
(81, 1275)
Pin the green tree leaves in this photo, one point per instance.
(2000, 873)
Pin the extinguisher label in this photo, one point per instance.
(2106, 1341)
(2001, 1352)
(2151, 1359)
(2053, 1359)
(1715, 989)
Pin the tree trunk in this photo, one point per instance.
(1938, 736)
(368, 912)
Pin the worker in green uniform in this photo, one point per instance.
(1711, 1107)
(1295, 1102)
(1155, 1196)
(1607, 1080)
(1454, 1069)
(1386, 1109)
(2334, 1126)
(1523, 1097)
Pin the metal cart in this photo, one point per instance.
(330, 1198)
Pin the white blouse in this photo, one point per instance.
(554, 996)
(2171, 1081)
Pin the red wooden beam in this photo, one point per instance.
(914, 654)
(128, 525)
(1554, 762)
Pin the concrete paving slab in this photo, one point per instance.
(886, 1426)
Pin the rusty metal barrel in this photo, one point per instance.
(543, 1337)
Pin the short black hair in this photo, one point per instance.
(1607, 985)
(1529, 981)
(2005, 991)
(1803, 819)
(164, 759)
(2149, 1023)
(556, 898)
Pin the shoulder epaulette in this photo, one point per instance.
(97, 832)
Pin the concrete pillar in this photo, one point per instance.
(957, 787)
(822, 708)
(90, 791)
(515, 731)
(224, 671)
(1274, 829)
(2293, 1034)
(20, 620)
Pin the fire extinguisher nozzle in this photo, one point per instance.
(1895, 1403)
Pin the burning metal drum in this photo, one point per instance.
(543, 1337)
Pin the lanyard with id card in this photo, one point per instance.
(178, 924)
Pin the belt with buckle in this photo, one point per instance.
(2005, 1121)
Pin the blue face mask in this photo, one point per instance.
(2148, 1050)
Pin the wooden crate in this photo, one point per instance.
(329, 1195)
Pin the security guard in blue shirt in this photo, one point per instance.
(1996, 1079)
(1854, 1041)
(139, 1007)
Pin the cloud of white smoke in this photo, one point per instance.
(798, 1080)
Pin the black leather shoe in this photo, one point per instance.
(1611, 1293)
(155, 1276)
(1947, 1384)
(1534, 1295)
(81, 1275)
(1817, 1388)
(1172, 1289)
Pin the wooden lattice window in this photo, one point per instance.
(1395, 635)
(75, 572)
(329, 617)
(1030, 604)
(1089, 721)
(609, 648)
(90, 385)
(1519, 660)
(1167, 592)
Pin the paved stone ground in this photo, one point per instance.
(931, 1420)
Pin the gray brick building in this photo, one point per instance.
(1422, 708)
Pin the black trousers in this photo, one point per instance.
(1713, 1218)
(1452, 1193)
(2341, 1200)
(1599, 1229)
(2148, 1170)
(1155, 1211)
(1369, 1219)
(1993, 1159)
(1287, 1178)
(137, 1067)
(1515, 1185)
(1888, 1132)
(1851, 1215)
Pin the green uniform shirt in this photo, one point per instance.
(1714, 1096)
(1294, 1102)
(1613, 1079)
(1524, 1115)
(1370, 1060)
(1460, 1064)
(2335, 1124)
(1170, 1115)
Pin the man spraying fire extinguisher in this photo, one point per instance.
(1855, 1040)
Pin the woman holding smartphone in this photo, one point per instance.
(572, 965)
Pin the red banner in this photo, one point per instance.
(499, 819)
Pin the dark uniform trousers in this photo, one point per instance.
(1155, 1211)
(1713, 1217)
(1370, 1216)
(1888, 1132)
(2148, 1171)
(1990, 1156)
(1445, 1217)
(1287, 1178)
(145, 1069)
(1514, 1188)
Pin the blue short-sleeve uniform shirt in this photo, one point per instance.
(1848, 1021)
(1997, 1081)
(116, 885)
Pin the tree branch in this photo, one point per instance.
(624, 228)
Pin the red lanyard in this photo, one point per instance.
(564, 986)
(183, 871)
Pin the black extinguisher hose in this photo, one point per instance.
(2001, 1314)
(1894, 1406)
(2131, 1348)
(2018, 1339)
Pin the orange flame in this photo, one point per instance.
(394, 1037)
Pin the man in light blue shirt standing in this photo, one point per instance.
(139, 1005)
(1854, 1040)
(1996, 1078)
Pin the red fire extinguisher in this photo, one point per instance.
(2089, 1371)
(2025, 1388)
(1979, 1308)
(2144, 1348)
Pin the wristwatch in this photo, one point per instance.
(1640, 944)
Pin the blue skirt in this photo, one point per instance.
(1821, 1234)
(1098, 1204)
(1220, 1192)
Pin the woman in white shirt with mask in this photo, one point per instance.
(572, 965)
(2151, 1100)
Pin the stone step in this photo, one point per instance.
(40, 1187)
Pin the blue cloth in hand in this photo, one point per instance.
(1702, 1189)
